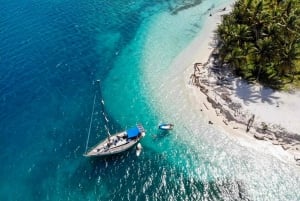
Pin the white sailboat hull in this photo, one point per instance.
(115, 144)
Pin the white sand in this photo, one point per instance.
(269, 106)
(253, 99)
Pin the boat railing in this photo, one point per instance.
(141, 128)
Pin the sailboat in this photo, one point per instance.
(118, 142)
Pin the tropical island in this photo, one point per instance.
(250, 83)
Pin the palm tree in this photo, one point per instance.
(242, 34)
(263, 53)
(261, 37)
(289, 55)
(235, 58)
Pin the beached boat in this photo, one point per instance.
(166, 126)
(118, 142)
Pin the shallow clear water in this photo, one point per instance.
(52, 52)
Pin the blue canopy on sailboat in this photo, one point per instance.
(132, 132)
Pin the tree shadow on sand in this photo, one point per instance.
(249, 94)
(266, 95)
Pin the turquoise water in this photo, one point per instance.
(52, 52)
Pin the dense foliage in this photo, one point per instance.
(260, 39)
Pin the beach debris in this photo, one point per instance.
(197, 67)
(226, 98)
(270, 137)
(264, 127)
(250, 123)
(213, 103)
(205, 106)
(259, 136)
(276, 142)
(194, 78)
(297, 157)
(286, 146)
(210, 122)
(228, 115)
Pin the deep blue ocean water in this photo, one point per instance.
(51, 52)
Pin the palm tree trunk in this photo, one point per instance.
(258, 74)
(293, 76)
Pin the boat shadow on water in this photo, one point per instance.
(129, 155)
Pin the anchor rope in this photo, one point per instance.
(103, 114)
(91, 120)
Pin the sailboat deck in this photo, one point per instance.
(112, 145)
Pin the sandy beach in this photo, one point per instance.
(229, 103)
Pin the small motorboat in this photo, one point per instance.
(166, 126)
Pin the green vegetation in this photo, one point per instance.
(260, 40)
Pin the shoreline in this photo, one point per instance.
(213, 99)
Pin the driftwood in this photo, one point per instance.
(203, 89)
(228, 115)
(250, 123)
(214, 103)
(226, 98)
(196, 67)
